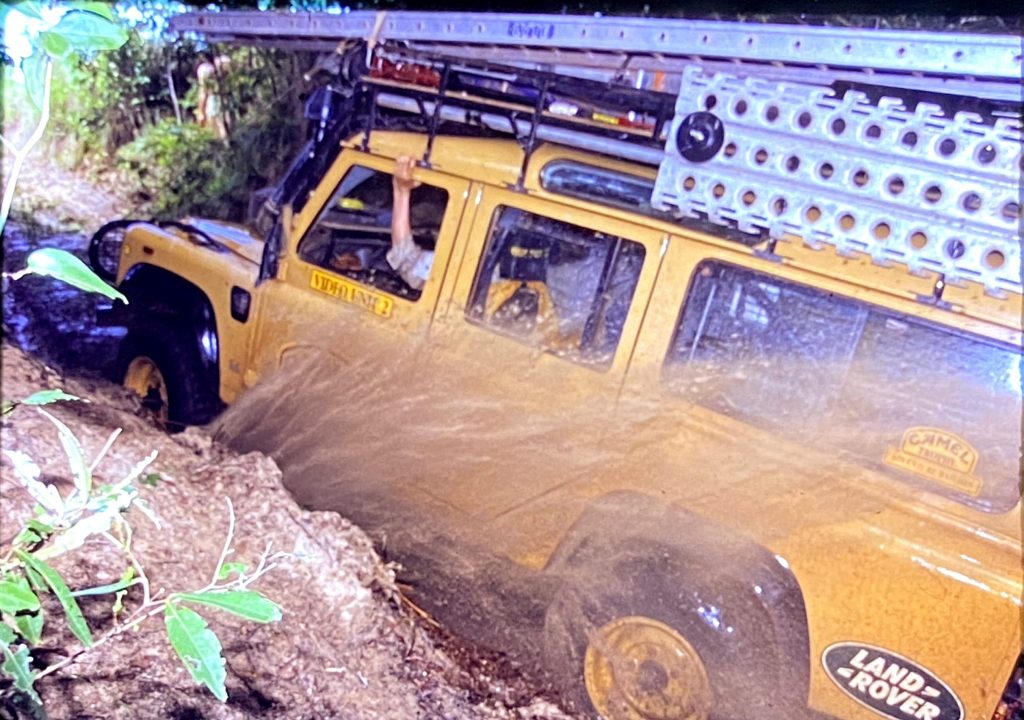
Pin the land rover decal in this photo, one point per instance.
(890, 684)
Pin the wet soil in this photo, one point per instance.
(350, 645)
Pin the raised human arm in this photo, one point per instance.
(402, 184)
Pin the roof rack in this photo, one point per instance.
(863, 140)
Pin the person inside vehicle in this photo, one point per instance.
(409, 260)
(519, 298)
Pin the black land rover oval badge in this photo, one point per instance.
(890, 684)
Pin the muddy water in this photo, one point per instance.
(48, 319)
(472, 491)
(451, 484)
(526, 523)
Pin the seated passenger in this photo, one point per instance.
(519, 298)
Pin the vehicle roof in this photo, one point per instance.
(497, 161)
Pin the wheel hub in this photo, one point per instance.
(144, 378)
(637, 668)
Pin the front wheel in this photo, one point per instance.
(160, 363)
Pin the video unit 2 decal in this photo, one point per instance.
(890, 684)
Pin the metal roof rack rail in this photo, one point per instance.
(903, 145)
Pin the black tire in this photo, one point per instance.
(191, 395)
(729, 637)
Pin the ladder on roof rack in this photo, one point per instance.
(864, 140)
(649, 52)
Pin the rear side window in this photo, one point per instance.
(608, 187)
(915, 400)
(560, 287)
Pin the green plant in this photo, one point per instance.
(107, 102)
(85, 27)
(62, 524)
(187, 169)
(175, 166)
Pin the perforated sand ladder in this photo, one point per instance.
(903, 184)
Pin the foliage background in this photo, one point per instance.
(118, 115)
(115, 115)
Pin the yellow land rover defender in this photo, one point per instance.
(802, 493)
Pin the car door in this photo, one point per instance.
(536, 383)
(334, 290)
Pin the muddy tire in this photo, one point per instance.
(160, 362)
(629, 640)
(587, 644)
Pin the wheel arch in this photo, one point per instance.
(698, 552)
(155, 291)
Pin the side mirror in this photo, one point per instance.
(277, 240)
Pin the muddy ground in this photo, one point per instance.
(349, 645)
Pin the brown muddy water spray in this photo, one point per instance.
(472, 488)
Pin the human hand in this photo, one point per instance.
(403, 179)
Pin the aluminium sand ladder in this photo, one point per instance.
(904, 145)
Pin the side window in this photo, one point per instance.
(352, 235)
(904, 396)
(556, 286)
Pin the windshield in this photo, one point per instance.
(915, 400)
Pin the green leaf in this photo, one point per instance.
(45, 397)
(76, 622)
(7, 407)
(39, 527)
(64, 266)
(197, 646)
(34, 69)
(7, 636)
(28, 474)
(16, 595)
(85, 30)
(27, 537)
(247, 604)
(35, 580)
(54, 44)
(16, 666)
(34, 532)
(106, 589)
(151, 479)
(30, 626)
(76, 458)
(100, 8)
(232, 567)
(76, 535)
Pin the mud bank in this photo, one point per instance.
(347, 647)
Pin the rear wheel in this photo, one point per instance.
(610, 656)
(637, 668)
(639, 633)
(160, 363)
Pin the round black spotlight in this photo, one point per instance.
(700, 136)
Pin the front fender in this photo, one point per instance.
(193, 281)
